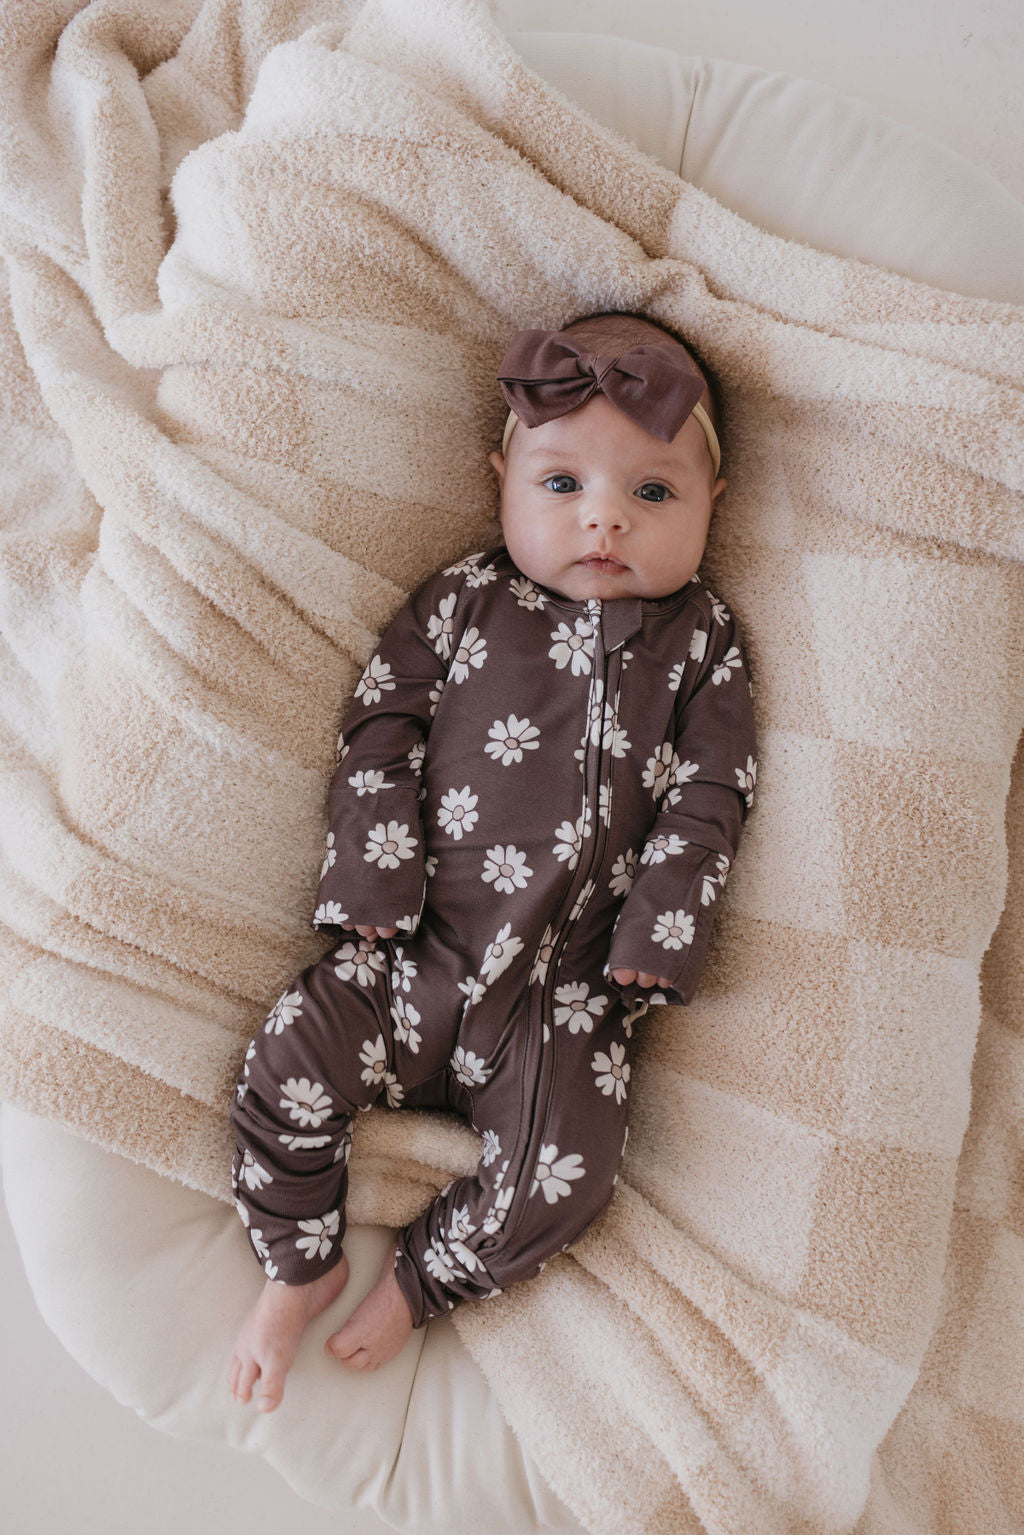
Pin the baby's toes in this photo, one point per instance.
(243, 1372)
(272, 1378)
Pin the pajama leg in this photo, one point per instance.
(553, 1139)
(323, 1052)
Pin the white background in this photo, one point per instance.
(72, 1462)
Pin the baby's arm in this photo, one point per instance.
(373, 878)
(663, 929)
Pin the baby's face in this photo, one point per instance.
(594, 506)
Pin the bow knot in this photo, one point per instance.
(544, 375)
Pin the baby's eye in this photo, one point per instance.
(653, 491)
(561, 484)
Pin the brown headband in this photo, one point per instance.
(544, 375)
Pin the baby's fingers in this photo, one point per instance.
(642, 978)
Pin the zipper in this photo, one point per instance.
(593, 760)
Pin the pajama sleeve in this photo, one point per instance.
(373, 872)
(708, 774)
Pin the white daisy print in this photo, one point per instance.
(575, 1007)
(623, 873)
(388, 844)
(441, 627)
(604, 803)
(359, 960)
(573, 647)
(612, 1072)
(712, 883)
(570, 839)
(467, 563)
(440, 1263)
(698, 645)
(527, 595)
(682, 773)
(473, 991)
(342, 749)
(491, 1149)
(462, 1228)
(330, 913)
(457, 812)
(305, 1101)
(481, 576)
(658, 769)
(747, 778)
(375, 681)
(543, 958)
(555, 1174)
(675, 676)
(330, 855)
(729, 663)
(661, 846)
(416, 757)
(304, 1142)
(500, 953)
(374, 1058)
(506, 869)
(320, 1234)
(405, 1017)
(673, 929)
(252, 1174)
(284, 1011)
(472, 652)
(404, 973)
(393, 1090)
(507, 741)
(469, 1068)
(435, 697)
(498, 1212)
(368, 782)
(719, 611)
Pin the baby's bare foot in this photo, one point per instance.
(271, 1332)
(378, 1328)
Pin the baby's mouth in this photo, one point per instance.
(606, 564)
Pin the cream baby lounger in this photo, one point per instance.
(812, 1263)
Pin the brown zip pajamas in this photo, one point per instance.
(533, 791)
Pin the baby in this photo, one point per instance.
(540, 788)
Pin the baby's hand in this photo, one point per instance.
(642, 978)
(371, 932)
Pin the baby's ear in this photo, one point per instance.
(497, 462)
(717, 489)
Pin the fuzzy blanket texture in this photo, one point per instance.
(262, 259)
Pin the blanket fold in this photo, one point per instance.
(261, 264)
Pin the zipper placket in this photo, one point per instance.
(593, 758)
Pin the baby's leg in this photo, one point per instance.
(321, 1055)
(554, 1130)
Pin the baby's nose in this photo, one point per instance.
(608, 512)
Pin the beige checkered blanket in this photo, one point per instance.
(259, 278)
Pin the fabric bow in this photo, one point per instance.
(543, 375)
